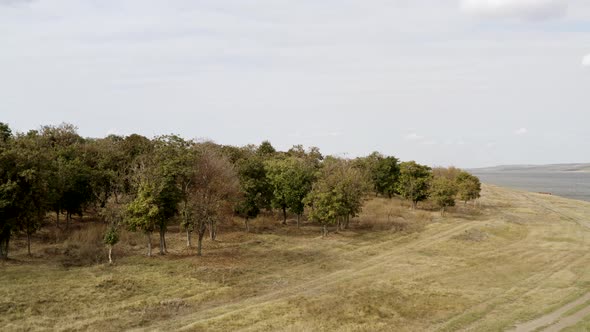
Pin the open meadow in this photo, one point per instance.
(513, 260)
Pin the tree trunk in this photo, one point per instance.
(68, 217)
(346, 221)
(298, 220)
(4, 247)
(324, 230)
(29, 243)
(149, 243)
(442, 211)
(284, 215)
(162, 242)
(247, 225)
(188, 238)
(110, 254)
(200, 242)
(165, 246)
(213, 230)
(3, 253)
(57, 219)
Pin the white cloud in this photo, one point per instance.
(430, 142)
(14, 2)
(413, 137)
(520, 9)
(586, 61)
(521, 131)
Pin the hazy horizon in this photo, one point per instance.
(471, 83)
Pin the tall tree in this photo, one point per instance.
(8, 190)
(113, 214)
(385, 175)
(414, 182)
(291, 179)
(70, 181)
(256, 191)
(468, 185)
(108, 167)
(211, 191)
(442, 192)
(167, 166)
(337, 194)
(143, 213)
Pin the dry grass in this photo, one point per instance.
(512, 258)
(382, 214)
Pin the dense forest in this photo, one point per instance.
(53, 175)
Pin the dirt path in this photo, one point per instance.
(569, 321)
(553, 321)
(554, 317)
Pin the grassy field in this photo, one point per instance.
(511, 260)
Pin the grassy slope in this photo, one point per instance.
(516, 257)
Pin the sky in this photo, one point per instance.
(469, 83)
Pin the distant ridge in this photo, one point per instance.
(580, 167)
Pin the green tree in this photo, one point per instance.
(266, 149)
(8, 194)
(70, 181)
(143, 213)
(290, 179)
(8, 212)
(111, 238)
(5, 132)
(443, 192)
(385, 175)
(32, 174)
(256, 191)
(77, 192)
(113, 214)
(469, 186)
(337, 194)
(166, 168)
(108, 168)
(414, 182)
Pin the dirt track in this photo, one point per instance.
(557, 320)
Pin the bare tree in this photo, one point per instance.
(210, 192)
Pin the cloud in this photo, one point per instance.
(521, 131)
(430, 142)
(586, 61)
(14, 2)
(413, 137)
(519, 9)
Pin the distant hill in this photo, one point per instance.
(582, 167)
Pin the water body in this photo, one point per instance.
(575, 185)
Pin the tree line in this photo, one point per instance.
(146, 185)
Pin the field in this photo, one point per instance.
(514, 260)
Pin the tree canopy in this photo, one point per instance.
(147, 184)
